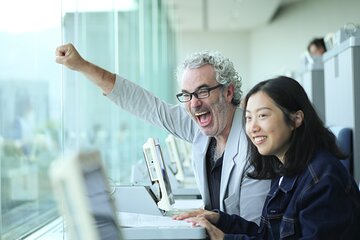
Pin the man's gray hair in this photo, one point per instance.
(224, 70)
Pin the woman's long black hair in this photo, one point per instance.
(306, 139)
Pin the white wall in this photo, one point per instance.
(275, 48)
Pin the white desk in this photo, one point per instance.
(136, 203)
(52, 231)
(140, 199)
(55, 231)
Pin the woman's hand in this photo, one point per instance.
(213, 232)
(211, 216)
(203, 218)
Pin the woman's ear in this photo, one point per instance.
(298, 118)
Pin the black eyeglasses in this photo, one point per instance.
(199, 94)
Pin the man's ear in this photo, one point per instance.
(298, 118)
(230, 92)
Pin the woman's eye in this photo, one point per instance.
(262, 116)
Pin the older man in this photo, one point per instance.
(209, 118)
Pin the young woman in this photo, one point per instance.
(312, 195)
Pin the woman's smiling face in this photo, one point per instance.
(266, 126)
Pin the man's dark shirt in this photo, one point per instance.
(213, 170)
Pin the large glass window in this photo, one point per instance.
(30, 112)
(46, 110)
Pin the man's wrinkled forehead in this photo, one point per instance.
(194, 78)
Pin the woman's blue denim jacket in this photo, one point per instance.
(321, 203)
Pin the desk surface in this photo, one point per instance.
(55, 231)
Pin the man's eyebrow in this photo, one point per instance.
(199, 87)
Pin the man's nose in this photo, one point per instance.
(195, 102)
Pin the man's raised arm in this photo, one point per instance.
(69, 57)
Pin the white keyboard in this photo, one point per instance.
(144, 220)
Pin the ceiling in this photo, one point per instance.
(222, 15)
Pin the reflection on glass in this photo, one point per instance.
(46, 110)
(29, 113)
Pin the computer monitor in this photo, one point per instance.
(173, 150)
(180, 156)
(83, 195)
(157, 172)
(185, 150)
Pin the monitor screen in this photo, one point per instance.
(101, 204)
(83, 195)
